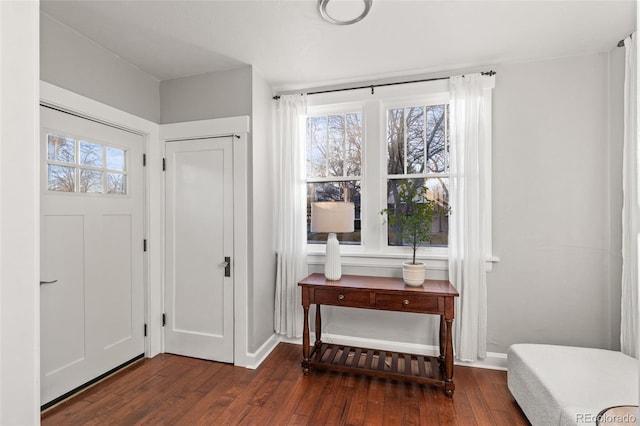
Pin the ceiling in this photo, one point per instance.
(292, 47)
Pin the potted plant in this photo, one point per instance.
(410, 217)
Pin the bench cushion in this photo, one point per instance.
(565, 385)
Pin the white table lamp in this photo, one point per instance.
(332, 217)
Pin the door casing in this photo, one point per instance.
(238, 127)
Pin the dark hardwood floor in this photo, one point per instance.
(174, 390)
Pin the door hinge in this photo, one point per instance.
(144, 160)
(227, 266)
(144, 245)
(164, 319)
(164, 164)
(145, 330)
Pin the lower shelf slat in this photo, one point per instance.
(414, 368)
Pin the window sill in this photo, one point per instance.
(390, 260)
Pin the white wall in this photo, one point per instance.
(19, 217)
(262, 234)
(71, 61)
(552, 161)
(200, 97)
(556, 206)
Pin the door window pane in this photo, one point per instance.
(90, 154)
(90, 181)
(115, 158)
(60, 148)
(116, 183)
(61, 178)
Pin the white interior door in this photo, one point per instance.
(92, 306)
(199, 236)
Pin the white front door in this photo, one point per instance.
(92, 306)
(199, 237)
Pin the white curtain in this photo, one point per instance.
(290, 213)
(630, 208)
(469, 221)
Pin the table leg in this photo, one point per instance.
(305, 341)
(318, 327)
(448, 358)
(442, 339)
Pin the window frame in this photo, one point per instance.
(386, 105)
(337, 109)
(78, 167)
(374, 252)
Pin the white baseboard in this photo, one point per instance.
(255, 359)
(493, 360)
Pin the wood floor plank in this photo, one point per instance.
(319, 410)
(314, 391)
(358, 404)
(392, 414)
(338, 411)
(428, 405)
(374, 415)
(285, 400)
(175, 390)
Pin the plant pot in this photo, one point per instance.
(413, 275)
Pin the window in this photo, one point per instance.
(75, 165)
(417, 150)
(334, 167)
(403, 134)
(406, 139)
(361, 146)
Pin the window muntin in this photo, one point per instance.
(334, 167)
(417, 144)
(79, 166)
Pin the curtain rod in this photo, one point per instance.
(373, 86)
(621, 42)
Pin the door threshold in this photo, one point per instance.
(74, 392)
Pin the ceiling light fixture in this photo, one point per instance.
(322, 8)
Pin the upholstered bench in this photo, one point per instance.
(564, 385)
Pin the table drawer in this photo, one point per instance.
(399, 302)
(340, 297)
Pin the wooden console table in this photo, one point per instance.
(434, 297)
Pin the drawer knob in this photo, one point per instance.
(405, 302)
(341, 297)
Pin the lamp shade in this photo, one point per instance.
(332, 216)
